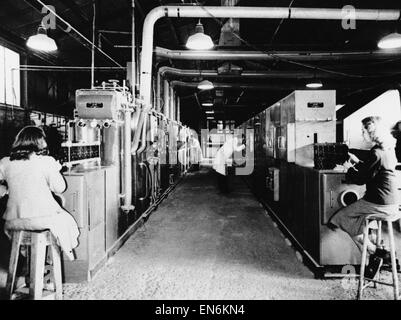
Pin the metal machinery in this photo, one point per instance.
(294, 176)
(106, 197)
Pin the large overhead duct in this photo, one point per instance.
(169, 71)
(274, 55)
(251, 86)
(233, 12)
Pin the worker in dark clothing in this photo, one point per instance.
(397, 135)
(377, 171)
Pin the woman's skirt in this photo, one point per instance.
(351, 219)
(62, 225)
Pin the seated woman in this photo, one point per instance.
(31, 178)
(377, 171)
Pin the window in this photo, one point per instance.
(9, 77)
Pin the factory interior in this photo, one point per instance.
(204, 148)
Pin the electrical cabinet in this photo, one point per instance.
(308, 105)
(306, 117)
(92, 199)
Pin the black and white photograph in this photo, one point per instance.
(199, 156)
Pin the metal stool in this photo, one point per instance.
(379, 220)
(39, 286)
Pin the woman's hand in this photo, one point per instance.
(353, 158)
(347, 165)
(3, 191)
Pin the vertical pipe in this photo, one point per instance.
(166, 107)
(93, 45)
(178, 109)
(127, 129)
(24, 83)
(171, 112)
(127, 160)
(158, 92)
(133, 52)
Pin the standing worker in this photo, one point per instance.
(231, 145)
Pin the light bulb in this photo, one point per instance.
(199, 40)
(41, 41)
(314, 84)
(391, 41)
(205, 85)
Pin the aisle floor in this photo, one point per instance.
(200, 244)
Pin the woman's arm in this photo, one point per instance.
(362, 172)
(3, 183)
(55, 179)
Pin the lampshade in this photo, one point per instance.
(199, 40)
(41, 41)
(314, 84)
(391, 41)
(205, 85)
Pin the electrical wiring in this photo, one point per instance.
(279, 25)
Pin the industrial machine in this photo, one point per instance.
(297, 159)
(111, 186)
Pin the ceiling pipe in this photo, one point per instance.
(251, 86)
(271, 56)
(166, 105)
(169, 71)
(234, 12)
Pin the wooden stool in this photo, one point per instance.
(379, 220)
(37, 242)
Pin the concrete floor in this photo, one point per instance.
(200, 244)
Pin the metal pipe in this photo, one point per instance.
(259, 55)
(166, 107)
(236, 12)
(251, 86)
(133, 56)
(93, 46)
(171, 112)
(158, 92)
(144, 131)
(167, 71)
(68, 67)
(178, 109)
(127, 207)
(116, 32)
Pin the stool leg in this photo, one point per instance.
(38, 255)
(379, 233)
(393, 261)
(58, 285)
(12, 267)
(363, 261)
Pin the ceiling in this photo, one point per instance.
(352, 77)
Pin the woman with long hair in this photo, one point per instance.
(32, 178)
(377, 171)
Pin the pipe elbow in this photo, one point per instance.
(154, 15)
